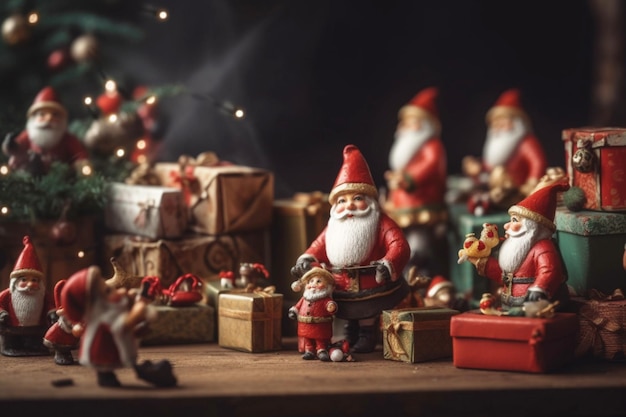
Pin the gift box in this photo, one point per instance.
(592, 247)
(250, 322)
(146, 210)
(222, 198)
(417, 334)
(203, 255)
(521, 344)
(296, 223)
(181, 325)
(602, 325)
(595, 161)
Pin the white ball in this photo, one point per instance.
(336, 355)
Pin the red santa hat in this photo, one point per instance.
(540, 205)
(28, 262)
(508, 104)
(46, 99)
(79, 291)
(423, 104)
(354, 176)
(58, 287)
(437, 283)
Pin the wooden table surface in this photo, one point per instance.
(215, 381)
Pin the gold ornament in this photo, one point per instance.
(85, 48)
(15, 30)
(107, 134)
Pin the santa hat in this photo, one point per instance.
(540, 206)
(320, 273)
(27, 262)
(354, 176)
(437, 283)
(423, 104)
(58, 287)
(46, 99)
(508, 104)
(78, 292)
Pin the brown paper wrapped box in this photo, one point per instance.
(250, 322)
(181, 325)
(203, 255)
(417, 334)
(222, 199)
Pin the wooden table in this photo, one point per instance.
(215, 381)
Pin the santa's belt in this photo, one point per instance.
(512, 301)
(310, 319)
(354, 272)
(508, 279)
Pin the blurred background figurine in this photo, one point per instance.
(315, 312)
(364, 249)
(60, 337)
(417, 183)
(26, 309)
(513, 158)
(46, 138)
(529, 266)
(111, 319)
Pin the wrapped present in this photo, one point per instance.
(58, 260)
(596, 162)
(181, 325)
(221, 198)
(146, 210)
(250, 321)
(203, 255)
(417, 334)
(296, 222)
(521, 344)
(592, 246)
(602, 325)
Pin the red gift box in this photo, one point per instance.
(521, 344)
(599, 165)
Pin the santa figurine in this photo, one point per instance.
(513, 159)
(417, 183)
(60, 337)
(365, 250)
(110, 320)
(45, 139)
(315, 312)
(26, 309)
(529, 266)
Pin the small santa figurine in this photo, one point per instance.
(315, 312)
(417, 182)
(513, 159)
(45, 139)
(529, 266)
(26, 309)
(60, 337)
(110, 319)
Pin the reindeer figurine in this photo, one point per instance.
(250, 273)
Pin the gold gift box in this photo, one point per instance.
(181, 325)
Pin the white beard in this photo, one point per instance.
(349, 240)
(314, 294)
(407, 143)
(45, 136)
(28, 306)
(500, 145)
(515, 247)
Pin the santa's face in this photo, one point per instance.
(503, 136)
(412, 132)
(27, 297)
(352, 229)
(521, 235)
(317, 288)
(46, 127)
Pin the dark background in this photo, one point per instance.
(314, 76)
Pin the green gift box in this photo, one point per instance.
(181, 325)
(417, 334)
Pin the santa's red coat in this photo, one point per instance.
(312, 310)
(60, 337)
(527, 161)
(6, 304)
(69, 150)
(427, 170)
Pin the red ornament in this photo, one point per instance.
(109, 102)
(59, 59)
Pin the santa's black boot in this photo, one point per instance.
(368, 338)
(63, 357)
(108, 379)
(351, 332)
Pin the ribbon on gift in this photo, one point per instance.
(593, 340)
(185, 179)
(142, 218)
(396, 326)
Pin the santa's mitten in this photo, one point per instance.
(53, 317)
(4, 318)
(292, 313)
(9, 144)
(535, 295)
(382, 273)
(302, 266)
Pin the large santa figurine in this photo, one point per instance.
(45, 139)
(26, 309)
(417, 183)
(529, 266)
(513, 159)
(364, 249)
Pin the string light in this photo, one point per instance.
(91, 108)
(86, 170)
(141, 144)
(158, 13)
(4, 210)
(120, 152)
(33, 18)
(224, 106)
(110, 86)
(4, 170)
(81, 254)
(112, 118)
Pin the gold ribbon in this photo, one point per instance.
(395, 327)
(144, 213)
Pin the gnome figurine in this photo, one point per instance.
(26, 309)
